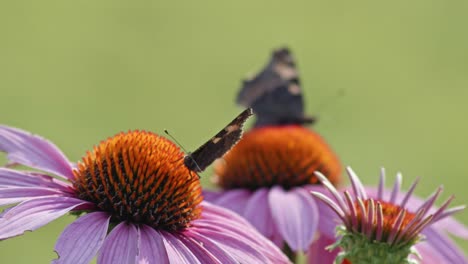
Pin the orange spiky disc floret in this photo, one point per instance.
(140, 177)
(390, 213)
(277, 155)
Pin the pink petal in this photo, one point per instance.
(296, 216)
(210, 195)
(15, 178)
(81, 240)
(32, 214)
(234, 243)
(16, 195)
(258, 213)
(221, 254)
(328, 220)
(429, 255)
(34, 151)
(120, 246)
(224, 222)
(449, 224)
(317, 252)
(218, 218)
(176, 250)
(151, 246)
(218, 211)
(442, 245)
(198, 249)
(452, 226)
(235, 200)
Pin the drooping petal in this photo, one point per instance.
(444, 246)
(234, 243)
(210, 195)
(15, 178)
(258, 213)
(429, 255)
(220, 219)
(198, 249)
(120, 246)
(34, 151)
(296, 216)
(151, 247)
(328, 220)
(177, 252)
(225, 222)
(235, 200)
(82, 239)
(16, 195)
(223, 255)
(32, 214)
(452, 226)
(317, 252)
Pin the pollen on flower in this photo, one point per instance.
(140, 177)
(277, 155)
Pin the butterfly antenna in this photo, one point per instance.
(188, 153)
(175, 140)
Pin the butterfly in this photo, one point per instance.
(275, 93)
(217, 146)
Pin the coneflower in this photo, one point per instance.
(268, 175)
(137, 203)
(388, 226)
(266, 178)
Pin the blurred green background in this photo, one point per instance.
(77, 72)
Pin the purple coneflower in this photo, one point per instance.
(138, 204)
(267, 178)
(380, 226)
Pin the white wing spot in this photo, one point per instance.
(285, 71)
(232, 128)
(294, 89)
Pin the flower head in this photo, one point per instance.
(384, 230)
(138, 204)
(267, 176)
(281, 155)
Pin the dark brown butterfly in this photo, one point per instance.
(216, 147)
(275, 93)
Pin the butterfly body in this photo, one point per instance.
(275, 93)
(217, 146)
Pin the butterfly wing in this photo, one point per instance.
(275, 94)
(218, 145)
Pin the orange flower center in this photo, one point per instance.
(140, 177)
(277, 155)
(390, 214)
